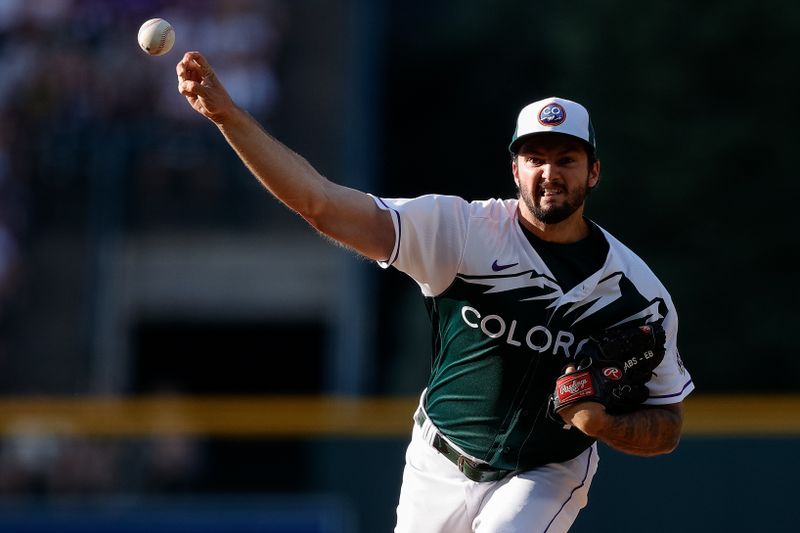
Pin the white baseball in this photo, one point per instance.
(156, 37)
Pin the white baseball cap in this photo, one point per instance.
(553, 115)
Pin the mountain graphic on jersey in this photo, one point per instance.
(534, 299)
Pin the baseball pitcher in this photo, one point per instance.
(549, 334)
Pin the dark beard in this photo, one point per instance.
(553, 215)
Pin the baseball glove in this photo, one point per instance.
(612, 369)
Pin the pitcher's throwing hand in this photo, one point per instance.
(201, 87)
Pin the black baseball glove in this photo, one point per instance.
(612, 369)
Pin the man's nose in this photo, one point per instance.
(547, 171)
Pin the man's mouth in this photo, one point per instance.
(550, 191)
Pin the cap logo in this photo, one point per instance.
(552, 115)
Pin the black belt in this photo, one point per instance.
(471, 469)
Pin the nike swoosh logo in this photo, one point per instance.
(498, 268)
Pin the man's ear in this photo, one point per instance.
(515, 171)
(594, 174)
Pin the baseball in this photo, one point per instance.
(156, 37)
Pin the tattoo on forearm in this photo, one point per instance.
(644, 432)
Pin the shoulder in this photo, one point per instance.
(622, 252)
(494, 208)
(424, 203)
(443, 204)
(621, 257)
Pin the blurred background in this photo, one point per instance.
(179, 352)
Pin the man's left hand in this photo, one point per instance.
(588, 417)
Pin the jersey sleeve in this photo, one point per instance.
(671, 382)
(430, 236)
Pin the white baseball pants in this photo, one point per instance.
(436, 497)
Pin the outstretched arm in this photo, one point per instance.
(650, 430)
(344, 214)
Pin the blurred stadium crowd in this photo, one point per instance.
(80, 109)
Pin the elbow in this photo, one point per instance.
(673, 444)
(313, 209)
(668, 446)
(313, 219)
(671, 428)
(317, 219)
(662, 448)
(669, 442)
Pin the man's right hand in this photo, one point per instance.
(201, 87)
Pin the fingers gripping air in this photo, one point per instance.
(612, 369)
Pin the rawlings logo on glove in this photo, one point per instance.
(612, 369)
(574, 386)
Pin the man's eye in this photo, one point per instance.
(533, 161)
(566, 161)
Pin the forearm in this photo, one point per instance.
(644, 432)
(647, 431)
(284, 173)
(346, 215)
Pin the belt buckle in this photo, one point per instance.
(460, 462)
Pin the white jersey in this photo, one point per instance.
(493, 297)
